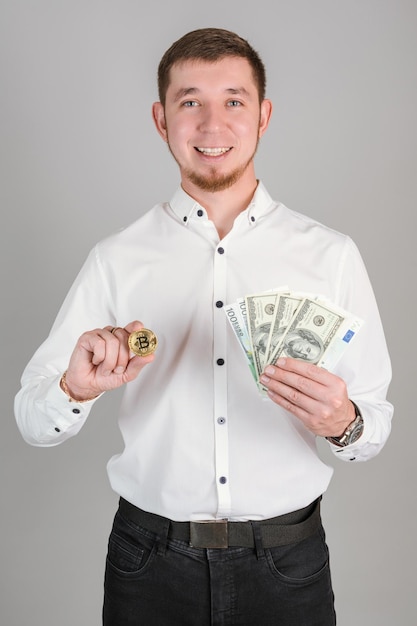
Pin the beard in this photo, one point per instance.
(213, 180)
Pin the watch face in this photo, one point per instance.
(356, 433)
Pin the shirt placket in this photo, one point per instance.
(220, 383)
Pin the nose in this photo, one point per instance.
(212, 119)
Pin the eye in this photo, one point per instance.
(190, 103)
(234, 103)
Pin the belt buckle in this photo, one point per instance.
(209, 534)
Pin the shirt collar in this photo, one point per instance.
(187, 209)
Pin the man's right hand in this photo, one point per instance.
(102, 361)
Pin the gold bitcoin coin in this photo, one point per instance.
(142, 342)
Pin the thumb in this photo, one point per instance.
(133, 326)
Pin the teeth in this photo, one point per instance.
(213, 151)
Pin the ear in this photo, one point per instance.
(265, 116)
(158, 115)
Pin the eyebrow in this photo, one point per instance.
(189, 91)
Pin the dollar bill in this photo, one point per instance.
(319, 333)
(285, 308)
(260, 312)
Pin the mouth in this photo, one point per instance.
(212, 151)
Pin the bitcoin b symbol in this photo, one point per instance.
(142, 342)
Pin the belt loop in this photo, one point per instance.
(163, 539)
(257, 535)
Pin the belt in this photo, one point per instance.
(277, 531)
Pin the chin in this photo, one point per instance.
(216, 182)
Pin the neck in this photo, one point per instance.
(224, 206)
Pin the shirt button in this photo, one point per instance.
(220, 250)
(184, 219)
(219, 304)
(76, 411)
(220, 361)
(222, 480)
(200, 213)
(221, 420)
(252, 219)
(58, 430)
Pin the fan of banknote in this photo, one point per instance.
(278, 323)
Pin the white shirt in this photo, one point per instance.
(200, 441)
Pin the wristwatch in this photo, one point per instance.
(352, 432)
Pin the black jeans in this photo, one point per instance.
(164, 582)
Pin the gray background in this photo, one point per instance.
(80, 158)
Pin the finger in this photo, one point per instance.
(123, 349)
(322, 386)
(299, 411)
(311, 412)
(308, 370)
(105, 348)
(93, 345)
(286, 381)
(292, 399)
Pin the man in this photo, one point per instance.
(219, 513)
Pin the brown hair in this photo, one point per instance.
(209, 44)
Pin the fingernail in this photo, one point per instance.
(269, 369)
(119, 370)
(281, 362)
(264, 379)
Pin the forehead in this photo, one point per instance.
(228, 74)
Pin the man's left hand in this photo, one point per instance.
(315, 396)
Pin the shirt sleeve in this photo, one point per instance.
(366, 365)
(45, 415)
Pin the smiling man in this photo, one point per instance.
(212, 118)
(220, 488)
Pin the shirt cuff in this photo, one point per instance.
(65, 414)
(357, 451)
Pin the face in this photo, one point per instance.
(303, 349)
(212, 122)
